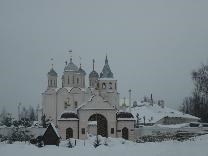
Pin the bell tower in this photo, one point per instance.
(52, 78)
(93, 77)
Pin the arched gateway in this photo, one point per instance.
(102, 124)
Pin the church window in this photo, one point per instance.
(73, 79)
(68, 80)
(75, 104)
(103, 85)
(116, 86)
(83, 130)
(112, 130)
(110, 85)
(77, 80)
(54, 82)
(51, 82)
(65, 105)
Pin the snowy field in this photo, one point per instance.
(116, 147)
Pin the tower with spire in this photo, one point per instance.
(107, 85)
(52, 77)
(106, 72)
(93, 77)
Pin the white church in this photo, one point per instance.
(78, 111)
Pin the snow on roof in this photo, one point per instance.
(155, 113)
(81, 106)
(173, 126)
(91, 98)
(67, 111)
(92, 123)
(68, 119)
(111, 79)
(126, 119)
(37, 131)
(54, 128)
(69, 89)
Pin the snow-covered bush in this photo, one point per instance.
(123, 141)
(69, 144)
(106, 142)
(40, 142)
(18, 134)
(97, 142)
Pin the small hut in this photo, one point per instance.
(51, 136)
(45, 136)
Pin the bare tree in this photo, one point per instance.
(197, 103)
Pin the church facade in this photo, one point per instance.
(79, 111)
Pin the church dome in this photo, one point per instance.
(52, 72)
(94, 74)
(69, 115)
(124, 115)
(71, 66)
(81, 71)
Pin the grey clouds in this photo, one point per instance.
(152, 45)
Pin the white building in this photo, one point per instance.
(73, 107)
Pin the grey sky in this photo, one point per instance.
(152, 45)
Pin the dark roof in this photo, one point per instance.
(51, 136)
(124, 115)
(81, 71)
(94, 74)
(71, 66)
(106, 72)
(69, 115)
(52, 72)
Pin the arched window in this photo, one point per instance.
(73, 79)
(115, 86)
(68, 80)
(110, 85)
(75, 104)
(98, 85)
(103, 85)
(69, 133)
(77, 80)
(51, 82)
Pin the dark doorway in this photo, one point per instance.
(102, 125)
(69, 133)
(125, 133)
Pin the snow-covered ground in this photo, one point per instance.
(116, 147)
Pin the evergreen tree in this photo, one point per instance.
(7, 120)
(97, 142)
(69, 145)
(45, 122)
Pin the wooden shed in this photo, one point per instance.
(51, 136)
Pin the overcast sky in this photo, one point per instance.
(152, 45)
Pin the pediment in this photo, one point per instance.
(97, 102)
